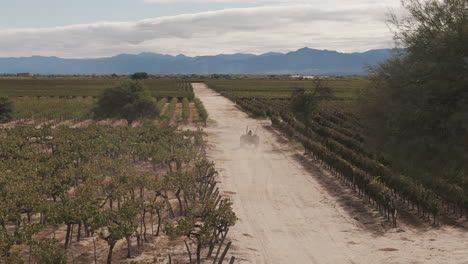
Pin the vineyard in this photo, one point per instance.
(74, 190)
(346, 88)
(64, 87)
(334, 136)
(53, 100)
(65, 188)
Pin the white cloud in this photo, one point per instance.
(226, 1)
(331, 3)
(248, 30)
(214, 1)
(265, 1)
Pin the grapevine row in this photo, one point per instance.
(202, 113)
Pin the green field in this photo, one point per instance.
(46, 107)
(343, 89)
(81, 86)
(74, 97)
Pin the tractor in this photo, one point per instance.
(249, 138)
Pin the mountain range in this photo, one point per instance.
(303, 61)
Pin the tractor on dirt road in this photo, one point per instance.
(249, 138)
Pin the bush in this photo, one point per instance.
(128, 100)
(139, 76)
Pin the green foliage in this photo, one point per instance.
(47, 107)
(48, 251)
(6, 109)
(356, 177)
(11, 259)
(120, 224)
(160, 104)
(306, 102)
(417, 103)
(139, 76)
(129, 100)
(185, 109)
(202, 113)
(170, 109)
(183, 227)
(64, 87)
(343, 88)
(97, 177)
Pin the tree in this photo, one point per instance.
(139, 76)
(6, 109)
(307, 102)
(128, 100)
(417, 103)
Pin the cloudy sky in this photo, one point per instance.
(100, 28)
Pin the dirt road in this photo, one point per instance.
(288, 216)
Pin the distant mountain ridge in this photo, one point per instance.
(302, 61)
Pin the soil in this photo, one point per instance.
(291, 210)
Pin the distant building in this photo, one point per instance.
(26, 74)
(309, 77)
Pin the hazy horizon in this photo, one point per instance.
(203, 55)
(90, 29)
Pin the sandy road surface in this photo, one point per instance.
(287, 216)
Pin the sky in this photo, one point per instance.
(102, 28)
